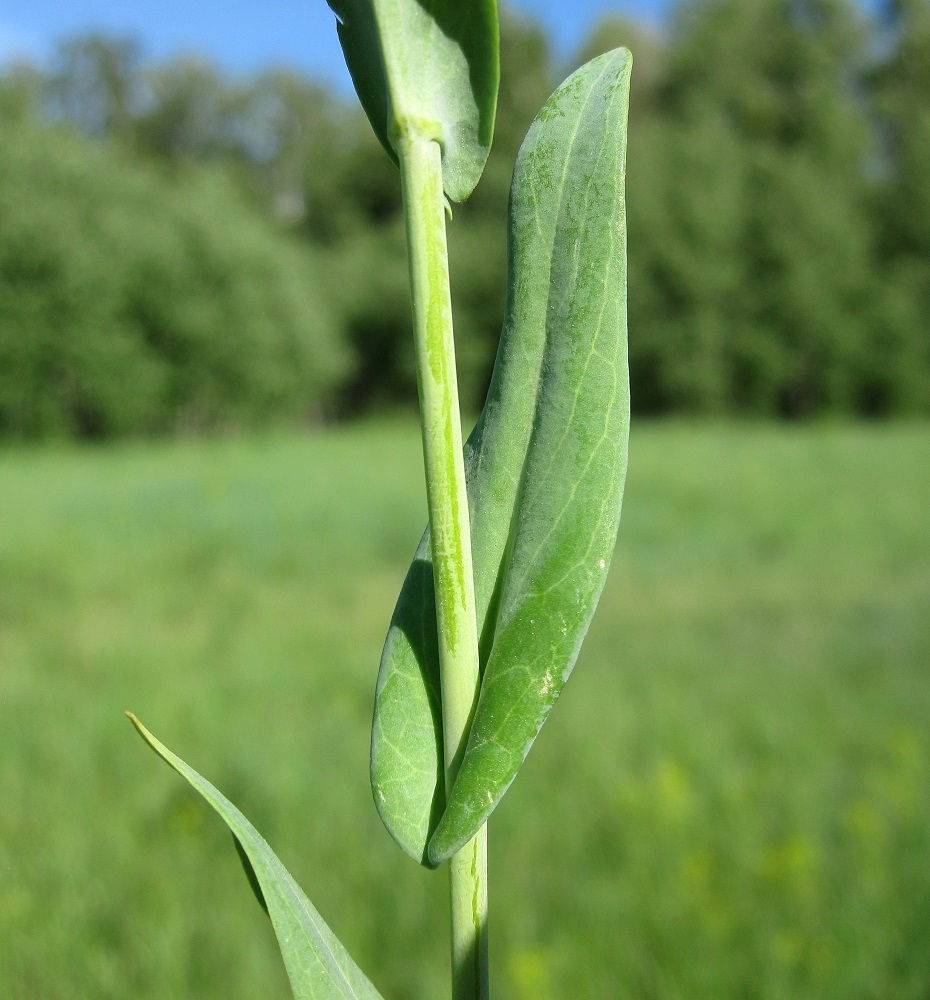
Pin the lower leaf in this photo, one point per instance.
(318, 966)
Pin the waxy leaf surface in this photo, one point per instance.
(545, 465)
(430, 65)
(318, 966)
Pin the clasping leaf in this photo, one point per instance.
(428, 65)
(545, 464)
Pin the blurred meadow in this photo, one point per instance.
(731, 800)
(211, 486)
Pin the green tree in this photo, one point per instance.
(478, 235)
(191, 111)
(899, 374)
(288, 125)
(20, 95)
(353, 213)
(902, 92)
(96, 84)
(779, 179)
(751, 250)
(133, 303)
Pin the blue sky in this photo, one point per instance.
(243, 37)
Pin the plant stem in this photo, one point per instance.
(424, 208)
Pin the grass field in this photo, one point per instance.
(732, 799)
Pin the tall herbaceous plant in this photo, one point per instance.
(523, 519)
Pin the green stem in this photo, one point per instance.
(424, 207)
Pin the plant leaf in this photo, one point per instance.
(545, 464)
(318, 966)
(429, 64)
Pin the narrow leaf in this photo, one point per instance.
(546, 466)
(318, 966)
(432, 65)
(250, 875)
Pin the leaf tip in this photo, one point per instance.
(140, 729)
(443, 844)
(149, 739)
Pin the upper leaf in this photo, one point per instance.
(318, 966)
(545, 466)
(431, 65)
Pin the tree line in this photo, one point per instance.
(184, 251)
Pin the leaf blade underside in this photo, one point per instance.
(545, 466)
(427, 64)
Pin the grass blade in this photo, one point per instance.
(318, 966)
